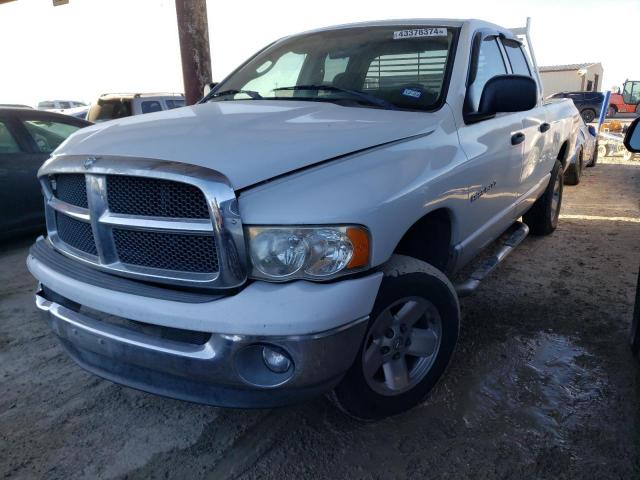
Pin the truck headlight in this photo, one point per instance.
(312, 253)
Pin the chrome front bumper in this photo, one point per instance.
(227, 370)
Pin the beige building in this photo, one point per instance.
(579, 77)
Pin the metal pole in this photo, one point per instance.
(193, 31)
(603, 109)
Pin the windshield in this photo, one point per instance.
(397, 67)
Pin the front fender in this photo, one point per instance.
(386, 189)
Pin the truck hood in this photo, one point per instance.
(249, 141)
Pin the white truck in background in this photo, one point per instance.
(111, 106)
(297, 231)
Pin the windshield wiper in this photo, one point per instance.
(355, 93)
(253, 94)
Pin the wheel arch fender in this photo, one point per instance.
(563, 154)
(430, 239)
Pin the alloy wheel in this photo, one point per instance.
(402, 346)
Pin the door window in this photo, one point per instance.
(47, 135)
(631, 92)
(490, 64)
(150, 106)
(516, 57)
(171, 104)
(8, 143)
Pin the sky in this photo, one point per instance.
(89, 47)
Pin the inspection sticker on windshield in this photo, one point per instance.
(420, 32)
(409, 92)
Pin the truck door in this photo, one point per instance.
(494, 151)
(534, 127)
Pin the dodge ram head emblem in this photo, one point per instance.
(88, 163)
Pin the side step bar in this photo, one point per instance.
(518, 232)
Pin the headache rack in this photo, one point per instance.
(525, 33)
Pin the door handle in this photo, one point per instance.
(517, 138)
(544, 127)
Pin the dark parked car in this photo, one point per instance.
(588, 104)
(27, 138)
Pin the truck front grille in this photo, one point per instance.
(71, 188)
(76, 233)
(166, 227)
(155, 197)
(187, 253)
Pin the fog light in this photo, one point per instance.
(276, 360)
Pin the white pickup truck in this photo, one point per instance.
(296, 232)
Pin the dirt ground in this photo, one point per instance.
(542, 384)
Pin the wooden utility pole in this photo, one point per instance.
(193, 31)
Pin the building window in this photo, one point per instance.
(589, 86)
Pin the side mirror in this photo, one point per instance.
(208, 87)
(509, 93)
(505, 93)
(632, 138)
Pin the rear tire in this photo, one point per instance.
(542, 218)
(574, 172)
(411, 337)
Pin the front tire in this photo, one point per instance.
(411, 337)
(542, 218)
